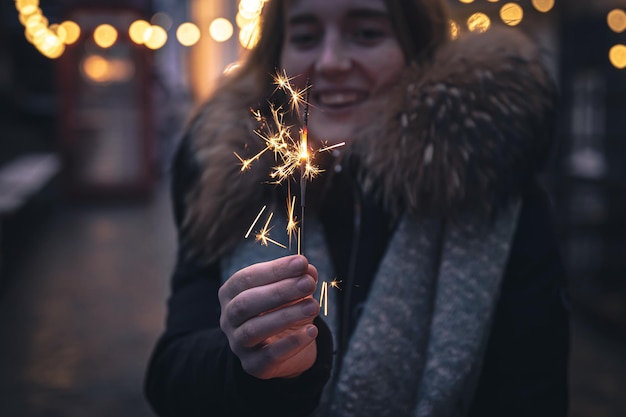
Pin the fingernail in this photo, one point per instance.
(305, 285)
(309, 308)
(311, 331)
(296, 264)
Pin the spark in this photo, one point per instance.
(335, 283)
(245, 163)
(324, 297)
(330, 148)
(292, 224)
(297, 98)
(264, 234)
(254, 222)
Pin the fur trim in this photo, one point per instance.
(465, 130)
(222, 200)
(463, 133)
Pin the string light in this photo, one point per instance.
(616, 19)
(512, 14)
(543, 6)
(478, 22)
(221, 29)
(617, 56)
(188, 34)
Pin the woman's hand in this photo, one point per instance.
(267, 315)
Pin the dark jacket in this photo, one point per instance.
(192, 370)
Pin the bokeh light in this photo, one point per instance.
(466, 1)
(72, 31)
(617, 56)
(616, 19)
(512, 14)
(221, 29)
(98, 69)
(543, 6)
(478, 22)
(455, 30)
(26, 6)
(249, 35)
(188, 34)
(137, 31)
(105, 35)
(155, 37)
(251, 8)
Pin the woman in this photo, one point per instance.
(430, 216)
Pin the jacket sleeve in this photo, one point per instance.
(192, 371)
(525, 366)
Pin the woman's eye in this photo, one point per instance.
(369, 34)
(303, 39)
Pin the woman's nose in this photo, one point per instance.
(334, 57)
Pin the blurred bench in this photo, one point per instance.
(22, 180)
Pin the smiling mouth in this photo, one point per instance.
(340, 99)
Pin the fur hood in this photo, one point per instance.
(463, 133)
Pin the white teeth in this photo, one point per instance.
(339, 98)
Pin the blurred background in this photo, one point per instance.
(93, 97)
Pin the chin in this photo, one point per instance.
(330, 133)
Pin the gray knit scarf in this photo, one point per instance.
(417, 349)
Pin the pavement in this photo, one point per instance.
(81, 312)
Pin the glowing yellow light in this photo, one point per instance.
(617, 56)
(250, 6)
(493, 1)
(35, 19)
(512, 14)
(137, 31)
(32, 33)
(122, 69)
(249, 36)
(50, 45)
(162, 19)
(248, 14)
(232, 67)
(59, 31)
(27, 6)
(25, 17)
(543, 6)
(155, 37)
(96, 68)
(105, 35)
(188, 34)
(478, 22)
(466, 1)
(221, 29)
(242, 20)
(72, 31)
(455, 30)
(616, 19)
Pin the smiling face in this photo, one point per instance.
(349, 51)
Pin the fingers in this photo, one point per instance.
(259, 300)
(285, 357)
(262, 274)
(261, 328)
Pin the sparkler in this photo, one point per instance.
(292, 156)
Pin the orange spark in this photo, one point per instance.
(264, 234)
(292, 224)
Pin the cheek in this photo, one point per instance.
(295, 65)
(387, 68)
